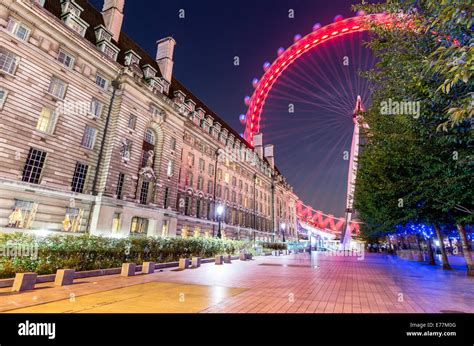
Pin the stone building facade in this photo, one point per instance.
(98, 136)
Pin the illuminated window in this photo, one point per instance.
(18, 29)
(65, 59)
(47, 120)
(165, 229)
(57, 88)
(169, 169)
(227, 178)
(73, 220)
(34, 166)
(139, 225)
(219, 174)
(23, 214)
(116, 222)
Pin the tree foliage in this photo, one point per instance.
(418, 166)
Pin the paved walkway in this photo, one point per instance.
(286, 284)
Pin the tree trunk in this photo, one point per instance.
(444, 257)
(465, 250)
(420, 249)
(411, 256)
(430, 252)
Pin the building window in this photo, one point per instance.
(144, 192)
(101, 81)
(116, 222)
(219, 174)
(190, 160)
(202, 165)
(79, 28)
(148, 149)
(65, 59)
(23, 214)
(3, 97)
(187, 205)
(46, 121)
(189, 180)
(57, 88)
(96, 108)
(119, 191)
(226, 194)
(227, 178)
(18, 29)
(165, 229)
(88, 140)
(173, 143)
(8, 61)
(79, 178)
(234, 181)
(34, 166)
(165, 202)
(169, 169)
(198, 208)
(132, 121)
(139, 225)
(234, 197)
(150, 137)
(218, 191)
(109, 50)
(211, 169)
(209, 186)
(200, 183)
(72, 221)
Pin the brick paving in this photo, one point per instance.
(286, 284)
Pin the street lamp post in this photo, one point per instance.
(217, 154)
(283, 227)
(219, 212)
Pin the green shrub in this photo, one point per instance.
(273, 246)
(87, 252)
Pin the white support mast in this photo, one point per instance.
(351, 179)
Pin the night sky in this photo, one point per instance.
(310, 143)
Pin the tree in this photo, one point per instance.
(418, 167)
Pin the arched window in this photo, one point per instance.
(150, 137)
(148, 147)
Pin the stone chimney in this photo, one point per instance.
(258, 144)
(268, 152)
(112, 12)
(164, 57)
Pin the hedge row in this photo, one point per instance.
(274, 246)
(21, 252)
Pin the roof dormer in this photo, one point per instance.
(104, 42)
(132, 58)
(149, 71)
(71, 15)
